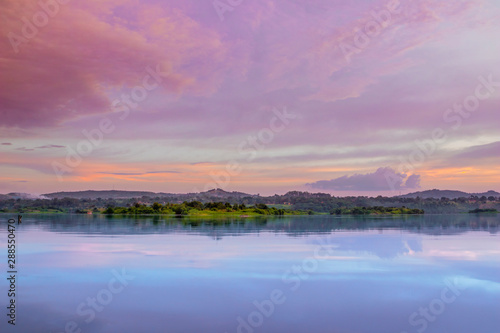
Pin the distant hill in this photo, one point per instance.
(490, 193)
(437, 194)
(215, 193)
(295, 200)
(16, 195)
(224, 194)
(101, 194)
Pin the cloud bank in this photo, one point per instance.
(383, 179)
(223, 80)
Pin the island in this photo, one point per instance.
(196, 208)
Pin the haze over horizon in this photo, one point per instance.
(262, 97)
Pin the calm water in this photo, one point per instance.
(303, 274)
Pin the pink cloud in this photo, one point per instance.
(224, 79)
(66, 70)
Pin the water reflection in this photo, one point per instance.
(291, 226)
(193, 275)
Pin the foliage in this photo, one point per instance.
(376, 211)
(197, 208)
(488, 210)
(293, 202)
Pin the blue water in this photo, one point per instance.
(301, 274)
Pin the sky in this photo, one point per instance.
(346, 97)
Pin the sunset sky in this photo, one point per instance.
(264, 96)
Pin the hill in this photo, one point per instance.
(434, 201)
(220, 193)
(114, 194)
(437, 194)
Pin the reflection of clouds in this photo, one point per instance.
(478, 247)
(486, 285)
(172, 251)
(453, 255)
(383, 246)
(408, 247)
(189, 282)
(460, 254)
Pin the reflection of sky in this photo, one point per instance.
(371, 281)
(387, 245)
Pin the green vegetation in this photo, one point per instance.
(376, 211)
(487, 210)
(293, 202)
(196, 208)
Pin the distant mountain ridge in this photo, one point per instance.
(116, 194)
(450, 194)
(85, 201)
(222, 194)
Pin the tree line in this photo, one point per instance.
(294, 201)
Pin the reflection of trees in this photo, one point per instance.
(292, 226)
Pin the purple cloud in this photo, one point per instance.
(221, 81)
(491, 150)
(381, 180)
(412, 181)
